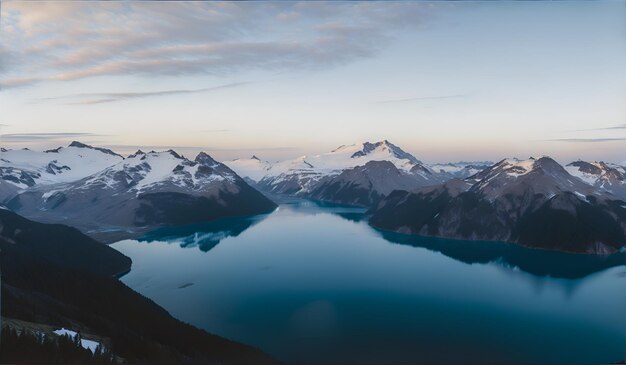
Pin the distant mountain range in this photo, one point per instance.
(112, 197)
(341, 175)
(350, 174)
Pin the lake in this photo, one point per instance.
(314, 283)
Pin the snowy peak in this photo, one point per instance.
(349, 156)
(204, 159)
(145, 172)
(597, 169)
(301, 175)
(383, 147)
(461, 169)
(602, 175)
(548, 165)
(26, 168)
(139, 152)
(515, 168)
(330, 163)
(176, 155)
(77, 144)
(586, 167)
(253, 168)
(533, 176)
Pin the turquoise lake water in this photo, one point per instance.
(312, 283)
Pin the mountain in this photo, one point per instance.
(27, 168)
(58, 245)
(252, 167)
(53, 276)
(366, 185)
(535, 202)
(460, 170)
(141, 192)
(351, 174)
(301, 175)
(608, 177)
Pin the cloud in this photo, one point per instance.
(614, 127)
(18, 82)
(74, 40)
(44, 136)
(621, 126)
(586, 140)
(100, 98)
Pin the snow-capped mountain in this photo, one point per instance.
(348, 175)
(461, 169)
(534, 202)
(333, 162)
(605, 176)
(143, 191)
(253, 168)
(542, 176)
(26, 168)
(301, 175)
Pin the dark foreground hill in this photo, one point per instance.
(54, 275)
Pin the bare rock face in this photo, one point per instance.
(535, 203)
(607, 177)
(367, 185)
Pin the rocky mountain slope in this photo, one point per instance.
(535, 203)
(368, 184)
(605, 176)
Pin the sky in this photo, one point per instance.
(446, 81)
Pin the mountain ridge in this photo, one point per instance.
(534, 202)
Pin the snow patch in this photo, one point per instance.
(581, 196)
(86, 344)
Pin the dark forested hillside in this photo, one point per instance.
(30, 347)
(53, 288)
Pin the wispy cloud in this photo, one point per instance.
(609, 128)
(44, 136)
(421, 98)
(621, 126)
(100, 98)
(586, 140)
(74, 40)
